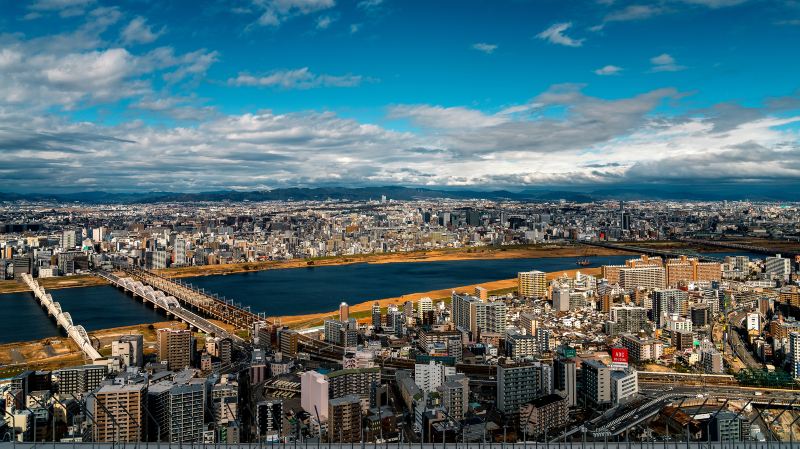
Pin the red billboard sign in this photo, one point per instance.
(619, 355)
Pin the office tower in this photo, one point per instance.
(596, 382)
(269, 419)
(700, 314)
(80, 379)
(314, 394)
(532, 284)
(544, 415)
(514, 387)
(344, 312)
(642, 277)
(344, 419)
(376, 315)
(561, 297)
(625, 221)
(628, 319)
(424, 305)
(565, 379)
(175, 348)
(129, 348)
(778, 267)
(119, 413)
(428, 376)
(455, 395)
(186, 412)
(179, 252)
(470, 313)
(360, 382)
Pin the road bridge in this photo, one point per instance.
(168, 304)
(63, 319)
(210, 305)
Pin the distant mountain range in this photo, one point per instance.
(696, 193)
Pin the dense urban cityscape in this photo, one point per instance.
(397, 224)
(677, 339)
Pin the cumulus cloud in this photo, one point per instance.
(484, 47)
(65, 8)
(665, 63)
(139, 32)
(555, 34)
(301, 78)
(608, 70)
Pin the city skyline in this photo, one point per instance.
(123, 96)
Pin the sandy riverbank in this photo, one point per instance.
(479, 253)
(362, 310)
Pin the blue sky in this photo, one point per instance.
(252, 94)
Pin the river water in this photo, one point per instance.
(276, 292)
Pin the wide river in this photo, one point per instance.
(277, 292)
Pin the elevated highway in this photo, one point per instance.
(63, 319)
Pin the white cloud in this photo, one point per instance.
(665, 63)
(635, 12)
(65, 8)
(608, 70)
(139, 32)
(355, 28)
(301, 78)
(484, 47)
(369, 4)
(715, 3)
(275, 12)
(555, 35)
(323, 22)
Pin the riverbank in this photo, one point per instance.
(439, 255)
(362, 311)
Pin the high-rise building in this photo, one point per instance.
(179, 252)
(344, 312)
(376, 315)
(565, 379)
(455, 396)
(186, 412)
(642, 277)
(119, 413)
(669, 301)
(359, 381)
(79, 380)
(344, 419)
(69, 239)
(624, 385)
(778, 267)
(428, 376)
(130, 349)
(561, 296)
(314, 394)
(269, 419)
(175, 348)
(628, 319)
(470, 313)
(532, 284)
(596, 382)
(794, 353)
(514, 387)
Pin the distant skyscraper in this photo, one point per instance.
(376, 315)
(179, 252)
(344, 312)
